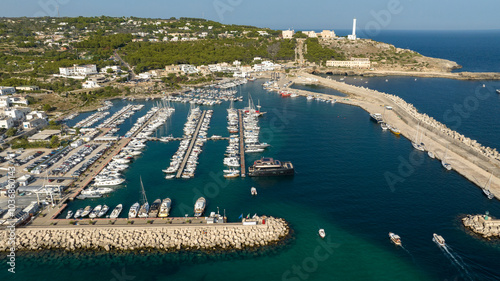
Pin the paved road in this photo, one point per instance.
(131, 72)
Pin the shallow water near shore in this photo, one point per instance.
(340, 157)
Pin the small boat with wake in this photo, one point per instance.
(438, 239)
(395, 239)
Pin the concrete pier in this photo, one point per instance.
(191, 144)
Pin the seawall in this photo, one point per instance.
(468, 157)
(208, 237)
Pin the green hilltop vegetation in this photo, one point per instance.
(32, 49)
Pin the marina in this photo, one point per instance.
(184, 192)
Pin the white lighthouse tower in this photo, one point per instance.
(353, 35)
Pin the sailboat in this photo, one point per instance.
(250, 109)
(446, 165)
(416, 144)
(486, 189)
(143, 211)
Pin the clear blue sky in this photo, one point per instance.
(300, 15)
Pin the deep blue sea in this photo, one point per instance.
(341, 160)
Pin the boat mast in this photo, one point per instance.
(144, 198)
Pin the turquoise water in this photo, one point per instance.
(341, 158)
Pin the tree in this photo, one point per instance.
(11, 132)
(47, 107)
(110, 70)
(299, 34)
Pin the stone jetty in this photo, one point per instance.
(207, 237)
(483, 225)
(474, 161)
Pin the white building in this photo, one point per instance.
(28, 88)
(287, 34)
(353, 35)
(35, 123)
(90, 85)
(7, 90)
(6, 123)
(189, 69)
(15, 113)
(327, 34)
(115, 68)
(310, 34)
(78, 70)
(5, 101)
(36, 114)
(353, 63)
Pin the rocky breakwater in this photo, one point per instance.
(483, 225)
(207, 237)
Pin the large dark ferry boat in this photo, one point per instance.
(270, 167)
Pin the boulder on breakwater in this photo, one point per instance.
(233, 236)
(483, 225)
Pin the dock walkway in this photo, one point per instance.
(191, 144)
(242, 144)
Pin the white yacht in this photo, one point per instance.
(116, 211)
(103, 211)
(199, 206)
(132, 213)
(78, 213)
(110, 182)
(95, 212)
(166, 204)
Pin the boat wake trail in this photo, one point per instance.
(457, 261)
(410, 254)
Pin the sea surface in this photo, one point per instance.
(344, 165)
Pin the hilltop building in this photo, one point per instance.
(78, 70)
(352, 63)
(287, 34)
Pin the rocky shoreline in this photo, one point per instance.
(214, 237)
(483, 225)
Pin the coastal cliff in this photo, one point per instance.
(169, 238)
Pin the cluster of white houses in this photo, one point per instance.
(15, 113)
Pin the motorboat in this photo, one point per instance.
(78, 213)
(103, 211)
(154, 209)
(438, 239)
(95, 212)
(69, 215)
(395, 239)
(134, 210)
(431, 154)
(166, 204)
(322, 233)
(86, 211)
(199, 206)
(377, 117)
(253, 191)
(116, 211)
